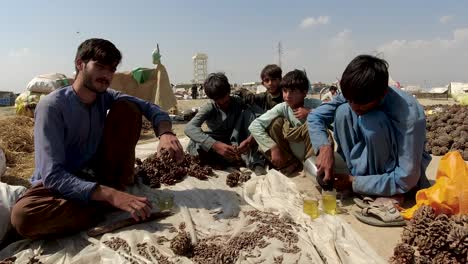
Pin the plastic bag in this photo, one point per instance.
(2, 163)
(449, 195)
(26, 102)
(462, 99)
(47, 83)
(8, 196)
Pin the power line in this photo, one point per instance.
(280, 53)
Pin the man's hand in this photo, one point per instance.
(301, 112)
(277, 157)
(325, 161)
(225, 150)
(139, 207)
(245, 145)
(171, 143)
(343, 182)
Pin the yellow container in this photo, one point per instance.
(329, 202)
(165, 202)
(311, 207)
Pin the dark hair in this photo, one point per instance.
(295, 80)
(271, 71)
(333, 88)
(216, 86)
(365, 79)
(100, 50)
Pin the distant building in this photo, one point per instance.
(7, 98)
(455, 88)
(200, 67)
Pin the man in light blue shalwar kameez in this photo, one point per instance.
(380, 132)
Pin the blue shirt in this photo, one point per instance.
(67, 134)
(409, 127)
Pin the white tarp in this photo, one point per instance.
(212, 208)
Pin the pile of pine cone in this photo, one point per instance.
(431, 238)
(235, 178)
(157, 169)
(447, 130)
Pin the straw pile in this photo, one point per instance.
(17, 142)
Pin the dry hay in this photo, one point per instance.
(17, 141)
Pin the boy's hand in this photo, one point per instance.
(325, 161)
(225, 150)
(343, 182)
(245, 145)
(171, 143)
(277, 157)
(301, 112)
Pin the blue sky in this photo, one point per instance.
(425, 42)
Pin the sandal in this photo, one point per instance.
(379, 201)
(384, 215)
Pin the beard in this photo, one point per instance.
(88, 83)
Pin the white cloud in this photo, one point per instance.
(460, 37)
(22, 52)
(311, 21)
(437, 60)
(341, 45)
(445, 19)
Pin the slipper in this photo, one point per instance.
(384, 216)
(364, 202)
(379, 201)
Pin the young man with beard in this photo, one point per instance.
(73, 133)
(281, 132)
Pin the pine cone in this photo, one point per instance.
(445, 258)
(460, 219)
(244, 177)
(226, 256)
(435, 237)
(182, 244)
(422, 260)
(232, 179)
(425, 212)
(465, 154)
(402, 254)
(457, 239)
(409, 234)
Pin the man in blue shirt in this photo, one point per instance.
(380, 133)
(74, 132)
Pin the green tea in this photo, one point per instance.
(311, 208)
(329, 203)
(165, 203)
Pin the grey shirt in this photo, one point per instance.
(220, 125)
(67, 134)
